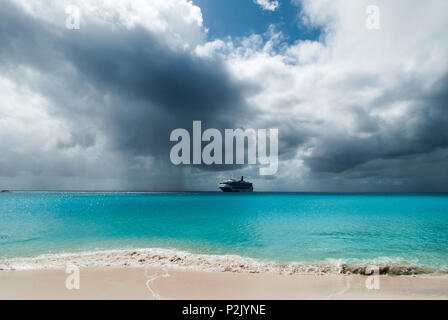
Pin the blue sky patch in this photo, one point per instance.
(240, 18)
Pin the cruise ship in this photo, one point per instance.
(233, 185)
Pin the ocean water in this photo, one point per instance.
(281, 227)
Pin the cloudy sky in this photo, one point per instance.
(92, 109)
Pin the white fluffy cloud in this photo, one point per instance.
(270, 5)
(177, 21)
(358, 95)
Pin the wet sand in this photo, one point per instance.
(155, 283)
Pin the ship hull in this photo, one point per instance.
(229, 189)
(236, 186)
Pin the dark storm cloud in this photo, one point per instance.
(150, 88)
(82, 139)
(24, 39)
(421, 130)
(130, 87)
(156, 89)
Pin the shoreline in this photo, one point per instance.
(148, 274)
(160, 283)
(185, 261)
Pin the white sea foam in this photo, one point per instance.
(213, 263)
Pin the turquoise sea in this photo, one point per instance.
(280, 227)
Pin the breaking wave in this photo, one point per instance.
(214, 263)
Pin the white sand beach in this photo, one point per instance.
(161, 283)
